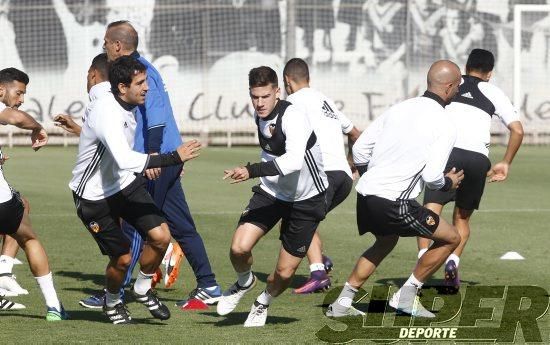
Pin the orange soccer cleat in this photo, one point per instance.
(173, 265)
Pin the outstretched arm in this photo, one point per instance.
(499, 172)
(23, 120)
(67, 123)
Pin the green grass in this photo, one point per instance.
(514, 217)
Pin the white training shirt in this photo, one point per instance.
(106, 163)
(5, 189)
(302, 172)
(474, 125)
(328, 124)
(411, 142)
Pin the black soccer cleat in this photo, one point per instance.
(151, 301)
(118, 315)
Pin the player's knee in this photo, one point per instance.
(454, 238)
(285, 273)
(240, 250)
(159, 238)
(123, 262)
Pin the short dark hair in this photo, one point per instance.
(8, 75)
(122, 70)
(297, 70)
(262, 76)
(101, 64)
(480, 60)
(128, 38)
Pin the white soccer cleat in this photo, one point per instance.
(406, 301)
(9, 305)
(351, 311)
(257, 315)
(10, 285)
(16, 261)
(232, 296)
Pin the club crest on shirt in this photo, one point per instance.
(430, 221)
(94, 227)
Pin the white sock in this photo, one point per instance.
(316, 267)
(265, 298)
(412, 281)
(48, 291)
(244, 279)
(6, 264)
(421, 252)
(143, 283)
(112, 299)
(455, 258)
(345, 299)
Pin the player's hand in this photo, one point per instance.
(153, 173)
(3, 158)
(499, 172)
(39, 138)
(67, 123)
(189, 150)
(238, 174)
(456, 177)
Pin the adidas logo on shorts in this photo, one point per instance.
(302, 249)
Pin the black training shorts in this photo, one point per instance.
(339, 187)
(11, 214)
(468, 195)
(385, 217)
(299, 219)
(102, 217)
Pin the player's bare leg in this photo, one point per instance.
(364, 268)
(39, 266)
(461, 220)
(319, 279)
(244, 239)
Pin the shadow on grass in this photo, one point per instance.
(297, 280)
(234, 319)
(21, 314)
(97, 279)
(97, 316)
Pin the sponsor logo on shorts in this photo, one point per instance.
(94, 227)
(302, 249)
(245, 212)
(430, 221)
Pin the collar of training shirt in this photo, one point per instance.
(99, 90)
(274, 112)
(435, 97)
(467, 76)
(135, 55)
(126, 106)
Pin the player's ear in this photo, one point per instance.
(489, 75)
(122, 88)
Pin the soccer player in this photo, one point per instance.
(14, 210)
(106, 188)
(328, 124)
(472, 110)
(292, 189)
(13, 95)
(157, 132)
(411, 144)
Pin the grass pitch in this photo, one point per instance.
(514, 216)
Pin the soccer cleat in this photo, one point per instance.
(312, 285)
(151, 301)
(406, 301)
(94, 301)
(10, 285)
(257, 315)
(7, 293)
(52, 314)
(452, 281)
(329, 265)
(16, 261)
(172, 265)
(9, 305)
(118, 315)
(157, 278)
(231, 297)
(208, 296)
(351, 311)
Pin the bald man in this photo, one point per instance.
(406, 148)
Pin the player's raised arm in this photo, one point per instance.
(67, 123)
(22, 120)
